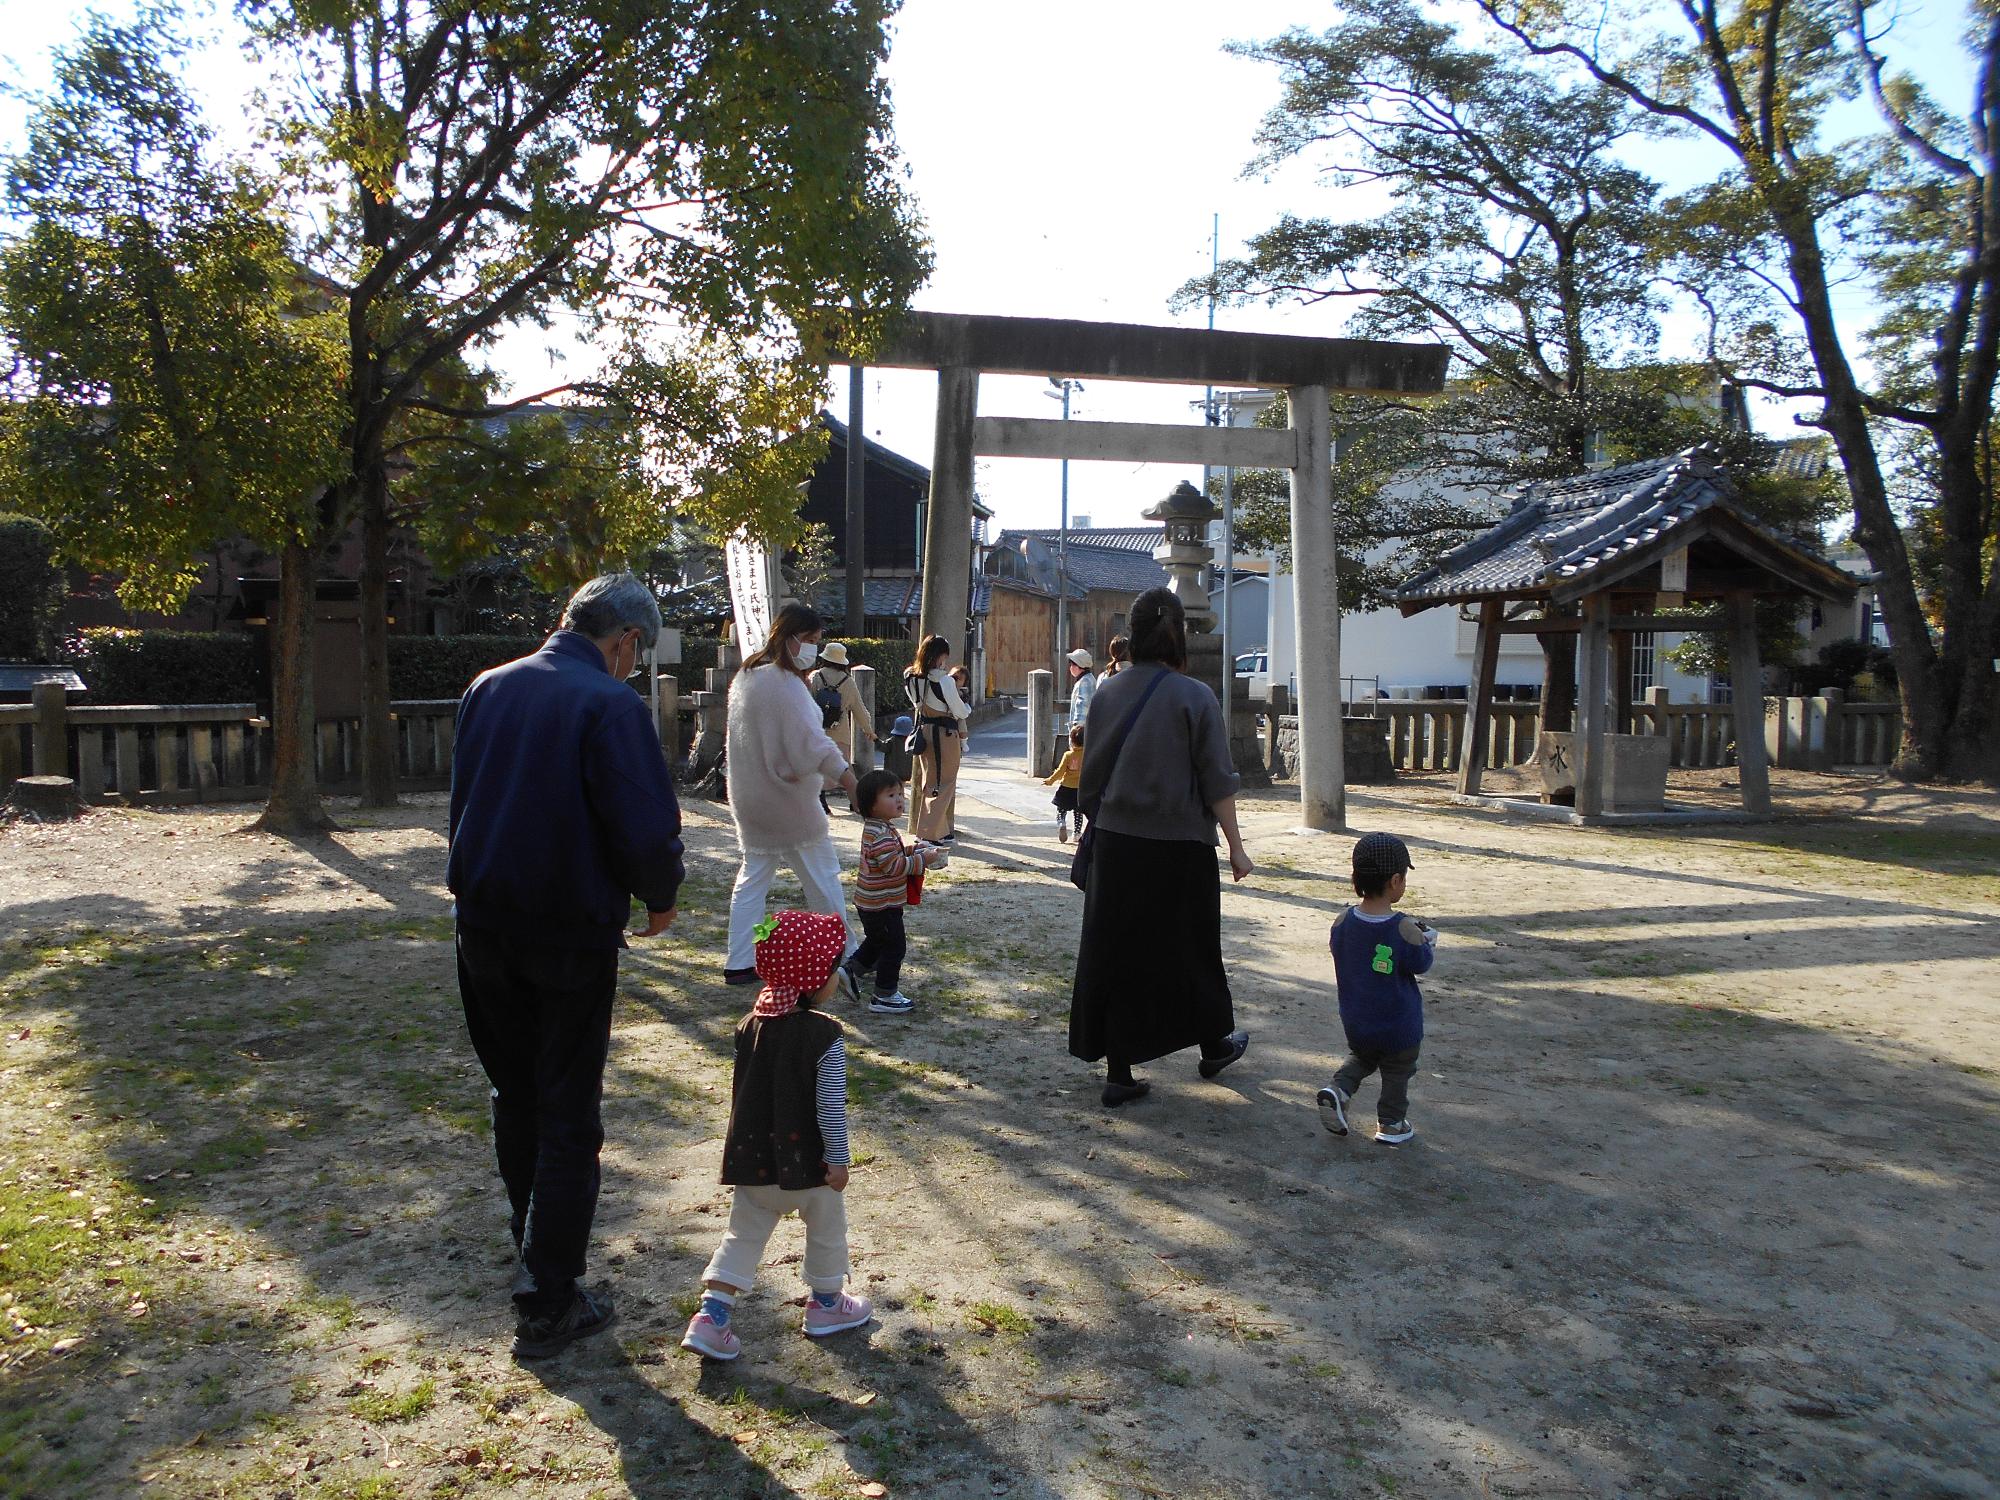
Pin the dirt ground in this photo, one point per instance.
(1705, 1198)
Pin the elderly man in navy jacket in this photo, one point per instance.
(562, 812)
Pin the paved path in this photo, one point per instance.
(995, 771)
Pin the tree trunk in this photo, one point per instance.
(1559, 679)
(43, 799)
(1845, 420)
(378, 729)
(295, 806)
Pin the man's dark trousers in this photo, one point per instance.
(540, 1018)
(1397, 1068)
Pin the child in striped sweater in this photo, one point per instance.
(881, 891)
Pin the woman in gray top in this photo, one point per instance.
(1149, 977)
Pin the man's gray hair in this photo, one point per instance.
(612, 602)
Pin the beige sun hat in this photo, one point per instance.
(834, 652)
(1081, 658)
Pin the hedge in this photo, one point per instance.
(164, 666)
(31, 589)
(443, 666)
(887, 657)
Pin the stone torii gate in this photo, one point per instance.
(961, 348)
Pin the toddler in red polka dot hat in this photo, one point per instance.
(786, 1149)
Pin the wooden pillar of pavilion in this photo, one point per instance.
(1479, 704)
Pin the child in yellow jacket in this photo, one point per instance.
(1069, 773)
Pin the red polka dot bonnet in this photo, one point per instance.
(796, 952)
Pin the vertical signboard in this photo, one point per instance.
(753, 589)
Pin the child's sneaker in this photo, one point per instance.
(848, 1312)
(711, 1339)
(898, 1004)
(1394, 1133)
(1062, 830)
(1333, 1108)
(850, 984)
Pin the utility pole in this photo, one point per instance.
(857, 506)
(1062, 391)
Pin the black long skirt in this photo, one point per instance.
(1149, 977)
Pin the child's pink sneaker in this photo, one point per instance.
(711, 1339)
(849, 1312)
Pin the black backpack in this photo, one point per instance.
(828, 699)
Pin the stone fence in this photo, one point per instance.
(202, 752)
(1817, 733)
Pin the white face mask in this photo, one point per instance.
(807, 653)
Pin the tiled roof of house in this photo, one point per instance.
(1095, 563)
(1129, 538)
(1561, 531)
(1116, 568)
(892, 598)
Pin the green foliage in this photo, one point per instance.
(1779, 644)
(1860, 670)
(31, 589)
(174, 383)
(165, 666)
(888, 658)
(1518, 238)
(698, 655)
(1522, 239)
(443, 666)
(1517, 231)
(1816, 206)
(691, 189)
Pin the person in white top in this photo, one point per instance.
(779, 760)
(1081, 685)
(940, 713)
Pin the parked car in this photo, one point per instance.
(1253, 670)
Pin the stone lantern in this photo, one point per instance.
(1185, 552)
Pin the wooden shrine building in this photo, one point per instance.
(1660, 545)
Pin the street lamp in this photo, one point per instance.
(1060, 391)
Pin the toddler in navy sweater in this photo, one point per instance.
(1377, 955)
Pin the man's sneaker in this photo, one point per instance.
(898, 1004)
(587, 1313)
(740, 976)
(1394, 1133)
(1333, 1108)
(849, 1312)
(710, 1339)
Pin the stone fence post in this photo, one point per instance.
(1656, 708)
(1041, 722)
(861, 746)
(51, 752)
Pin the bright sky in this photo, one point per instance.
(1069, 159)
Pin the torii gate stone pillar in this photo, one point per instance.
(960, 347)
(1316, 615)
(948, 523)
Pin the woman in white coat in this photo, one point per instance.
(779, 760)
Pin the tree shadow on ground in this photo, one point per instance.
(1639, 1240)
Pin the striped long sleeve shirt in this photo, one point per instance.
(886, 866)
(830, 1103)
